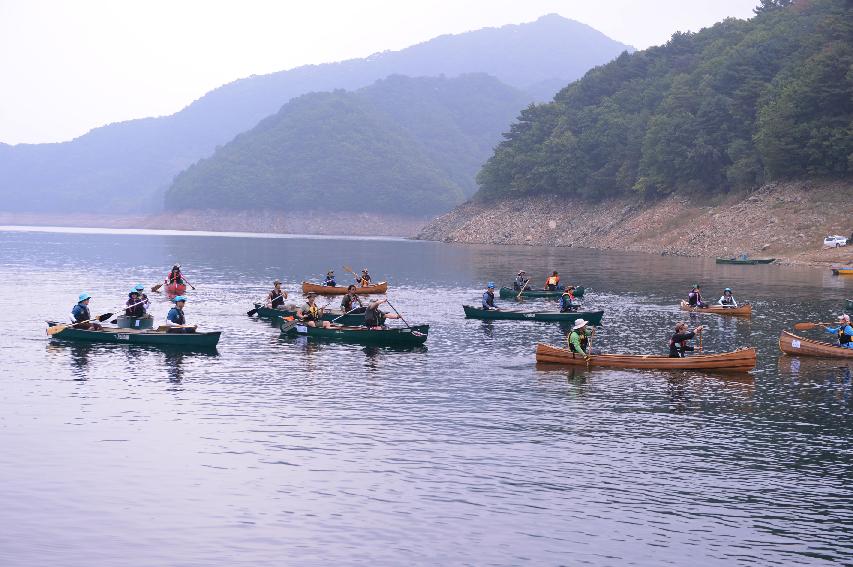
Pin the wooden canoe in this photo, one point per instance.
(327, 314)
(508, 293)
(308, 287)
(746, 261)
(741, 360)
(594, 317)
(744, 310)
(790, 343)
(397, 336)
(839, 271)
(149, 337)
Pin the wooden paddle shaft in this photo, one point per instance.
(809, 326)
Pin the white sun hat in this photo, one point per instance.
(580, 323)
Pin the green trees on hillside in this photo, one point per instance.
(726, 108)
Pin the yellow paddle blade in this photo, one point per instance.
(56, 329)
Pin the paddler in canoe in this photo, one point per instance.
(310, 314)
(552, 283)
(727, 299)
(374, 318)
(489, 298)
(276, 296)
(364, 279)
(175, 318)
(694, 298)
(330, 279)
(843, 331)
(522, 282)
(351, 302)
(678, 343)
(567, 300)
(146, 303)
(81, 316)
(135, 306)
(579, 338)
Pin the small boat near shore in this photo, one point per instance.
(744, 310)
(741, 360)
(328, 314)
(396, 336)
(842, 270)
(378, 288)
(508, 292)
(789, 343)
(151, 337)
(745, 261)
(471, 312)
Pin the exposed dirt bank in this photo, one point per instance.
(294, 222)
(786, 221)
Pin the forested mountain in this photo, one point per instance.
(127, 166)
(401, 145)
(729, 107)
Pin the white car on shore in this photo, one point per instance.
(835, 241)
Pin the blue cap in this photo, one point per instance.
(133, 290)
(83, 297)
(728, 289)
(491, 285)
(179, 298)
(139, 287)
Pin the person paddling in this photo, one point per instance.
(579, 338)
(522, 282)
(175, 276)
(80, 314)
(310, 314)
(843, 331)
(553, 281)
(364, 279)
(135, 305)
(276, 297)
(694, 298)
(374, 318)
(489, 298)
(330, 279)
(727, 299)
(678, 343)
(351, 302)
(567, 300)
(146, 303)
(175, 317)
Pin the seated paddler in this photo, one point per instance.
(364, 279)
(146, 303)
(135, 306)
(351, 302)
(81, 316)
(374, 318)
(843, 331)
(175, 318)
(727, 299)
(553, 281)
(568, 303)
(522, 282)
(678, 346)
(578, 339)
(330, 279)
(694, 298)
(276, 297)
(310, 314)
(489, 297)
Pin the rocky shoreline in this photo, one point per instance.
(784, 221)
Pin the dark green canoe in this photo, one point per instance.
(135, 337)
(745, 261)
(328, 315)
(508, 292)
(397, 336)
(594, 317)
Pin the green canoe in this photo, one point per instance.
(328, 315)
(135, 337)
(745, 261)
(397, 336)
(594, 317)
(508, 292)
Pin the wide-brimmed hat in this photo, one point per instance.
(83, 297)
(844, 317)
(311, 294)
(490, 285)
(276, 282)
(179, 298)
(521, 272)
(580, 323)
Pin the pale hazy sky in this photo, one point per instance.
(69, 66)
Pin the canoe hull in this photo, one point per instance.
(398, 336)
(744, 310)
(140, 323)
(594, 317)
(790, 343)
(270, 313)
(134, 337)
(308, 287)
(742, 360)
(749, 262)
(175, 289)
(842, 271)
(508, 293)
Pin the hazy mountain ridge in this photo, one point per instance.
(126, 166)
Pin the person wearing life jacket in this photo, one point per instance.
(489, 298)
(351, 302)
(276, 297)
(522, 282)
(678, 342)
(135, 305)
(567, 300)
(553, 282)
(843, 331)
(374, 318)
(694, 298)
(310, 314)
(175, 317)
(578, 339)
(330, 279)
(364, 279)
(727, 299)
(146, 303)
(80, 314)
(175, 276)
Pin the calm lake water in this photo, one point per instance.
(279, 451)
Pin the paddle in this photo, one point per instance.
(167, 328)
(156, 287)
(345, 314)
(397, 312)
(700, 338)
(251, 312)
(523, 287)
(59, 328)
(810, 326)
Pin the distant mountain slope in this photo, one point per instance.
(727, 108)
(126, 166)
(401, 145)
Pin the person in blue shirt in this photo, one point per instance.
(81, 315)
(175, 318)
(330, 279)
(843, 331)
(489, 297)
